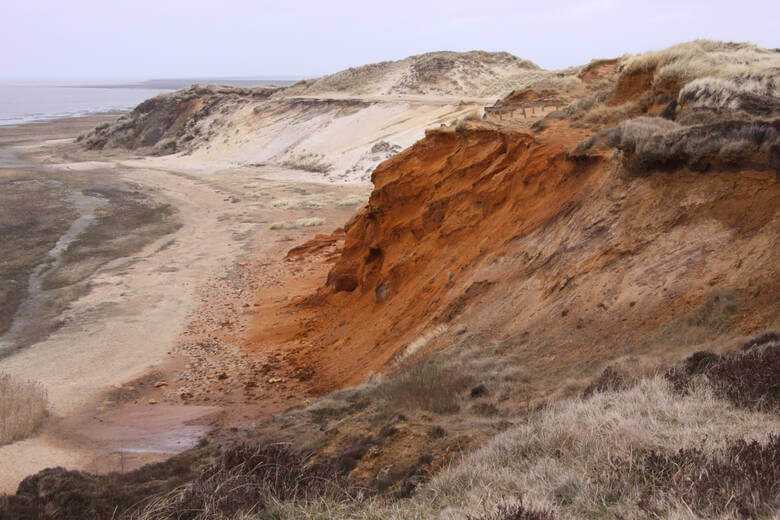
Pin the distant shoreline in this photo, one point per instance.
(64, 117)
(174, 84)
(27, 103)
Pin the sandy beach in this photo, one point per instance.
(101, 350)
(135, 276)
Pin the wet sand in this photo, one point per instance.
(119, 330)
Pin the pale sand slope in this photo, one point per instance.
(335, 137)
(443, 73)
(337, 127)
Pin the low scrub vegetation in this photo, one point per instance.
(248, 480)
(753, 96)
(661, 145)
(743, 63)
(309, 222)
(306, 161)
(559, 458)
(603, 114)
(22, 408)
(301, 222)
(698, 441)
(310, 202)
(651, 143)
(748, 379)
(516, 511)
(472, 115)
(627, 451)
(428, 386)
(739, 480)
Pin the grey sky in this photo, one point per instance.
(142, 39)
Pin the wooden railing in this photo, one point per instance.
(542, 103)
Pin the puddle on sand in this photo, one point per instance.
(162, 429)
(34, 305)
(133, 435)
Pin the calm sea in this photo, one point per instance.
(22, 103)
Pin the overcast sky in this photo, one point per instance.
(143, 39)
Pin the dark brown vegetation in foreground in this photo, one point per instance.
(228, 478)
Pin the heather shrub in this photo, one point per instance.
(639, 452)
(635, 134)
(739, 480)
(577, 108)
(762, 339)
(248, 479)
(748, 379)
(516, 511)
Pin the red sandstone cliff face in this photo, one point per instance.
(572, 262)
(639, 222)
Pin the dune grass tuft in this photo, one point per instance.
(713, 73)
(22, 408)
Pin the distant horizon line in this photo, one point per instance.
(136, 79)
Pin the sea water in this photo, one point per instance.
(25, 102)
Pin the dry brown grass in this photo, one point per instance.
(715, 92)
(301, 222)
(556, 458)
(22, 408)
(633, 453)
(713, 73)
(426, 385)
(651, 143)
(309, 162)
(635, 448)
(698, 58)
(604, 114)
(471, 115)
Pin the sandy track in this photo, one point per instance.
(130, 320)
(147, 297)
(140, 307)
